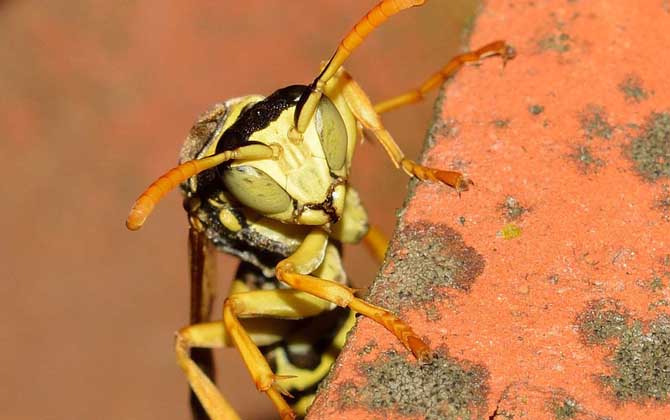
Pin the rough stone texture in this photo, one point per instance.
(441, 388)
(434, 257)
(96, 99)
(569, 316)
(521, 400)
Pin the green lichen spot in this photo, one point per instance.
(632, 89)
(509, 231)
(656, 284)
(501, 123)
(602, 320)
(367, 349)
(564, 409)
(594, 122)
(641, 357)
(560, 43)
(536, 109)
(661, 303)
(585, 159)
(663, 203)
(642, 363)
(348, 393)
(651, 150)
(512, 209)
(444, 388)
(504, 415)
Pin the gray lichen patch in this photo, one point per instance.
(602, 320)
(656, 283)
(564, 408)
(632, 89)
(501, 123)
(641, 355)
(661, 303)
(586, 161)
(650, 151)
(560, 43)
(444, 388)
(348, 393)
(367, 348)
(423, 261)
(662, 202)
(511, 208)
(521, 398)
(594, 122)
(642, 363)
(449, 128)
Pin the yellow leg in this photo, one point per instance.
(376, 242)
(375, 17)
(290, 304)
(289, 271)
(203, 335)
(500, 48)
(362, 108)
(287, 304)
(213, 335)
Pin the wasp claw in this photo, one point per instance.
(282, 377)
(509, 54)
(287, 415)
(281, 390)
(463, 184)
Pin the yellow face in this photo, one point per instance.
(306, 183)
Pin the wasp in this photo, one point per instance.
(266, 179)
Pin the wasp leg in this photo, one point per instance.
(375, 17)
(209, 335)
(376, 242)
(291, 269)
(289, 304)
(506, 52)
(310, 377)
(364, 111)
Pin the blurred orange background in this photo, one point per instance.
(96, 98)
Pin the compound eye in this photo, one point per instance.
(332, 133)
(255, 189)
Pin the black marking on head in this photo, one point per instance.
(327, 205)
(259, 116)
(301, 101)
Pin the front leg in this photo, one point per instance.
(294, 272)
(500, 48)
(363, 110)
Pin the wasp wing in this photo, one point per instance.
(202, 262)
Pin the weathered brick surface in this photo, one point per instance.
(569, 149)
(96, 97)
